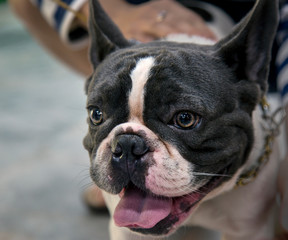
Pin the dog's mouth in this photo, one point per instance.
(158, 215)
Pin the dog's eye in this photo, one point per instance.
(186, 120)
(96, 116)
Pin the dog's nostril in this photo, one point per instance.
(139, 148)
(117, 151)
(129, 146)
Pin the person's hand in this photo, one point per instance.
(154, 20)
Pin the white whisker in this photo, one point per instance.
(211, 174)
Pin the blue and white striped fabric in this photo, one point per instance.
(62, 20)
(282, 56)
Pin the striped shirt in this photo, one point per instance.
(282, 54)
(62, 20)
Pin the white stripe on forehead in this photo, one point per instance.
(139, 76)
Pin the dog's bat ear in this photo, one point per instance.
(105, 35)
(247, 50)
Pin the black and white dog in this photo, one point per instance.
(173, 127)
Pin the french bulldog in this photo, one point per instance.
(173, 127)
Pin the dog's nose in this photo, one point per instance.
(127, 150)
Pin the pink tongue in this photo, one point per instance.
(137, 209)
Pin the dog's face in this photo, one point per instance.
(169, 121)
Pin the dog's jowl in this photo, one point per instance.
(172, 126)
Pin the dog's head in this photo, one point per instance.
(167, 120)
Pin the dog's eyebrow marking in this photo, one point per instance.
(139, 76)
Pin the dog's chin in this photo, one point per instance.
(149, 214)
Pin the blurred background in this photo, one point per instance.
(43, 165)
(44, 168)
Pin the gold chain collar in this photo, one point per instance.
(272, 124)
